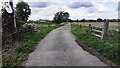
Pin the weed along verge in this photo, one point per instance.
(95, 53)
(105, 50)
(25, 47)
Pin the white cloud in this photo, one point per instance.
(48, 12)
(111, 1)
(37, 0)
(98, 10)
(0, 6)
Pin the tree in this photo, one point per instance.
(83, 20)
(104, 20)
(23, 12)
(61, 16)
(99, 20)
(66, 16)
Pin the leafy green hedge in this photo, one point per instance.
(27, 46)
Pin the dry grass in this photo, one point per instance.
(99, 24)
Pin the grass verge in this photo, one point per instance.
(107, 48)
(27, 46)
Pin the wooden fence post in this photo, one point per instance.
(105, 30)
(89, 29)
(48, 24)
(80, 25)
(71, 25)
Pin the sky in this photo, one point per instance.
(78, 9)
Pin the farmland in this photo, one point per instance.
(99, 24)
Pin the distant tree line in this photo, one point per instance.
(82, 20)
(62, 16)
(92, 20)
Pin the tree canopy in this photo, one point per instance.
(99, 20)
(23, 12)
(60, 17)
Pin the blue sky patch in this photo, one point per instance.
(76, 5)
(39, 4)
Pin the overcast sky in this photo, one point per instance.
(78, 9)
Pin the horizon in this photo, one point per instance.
(78, 19)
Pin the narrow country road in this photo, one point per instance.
(59, 48)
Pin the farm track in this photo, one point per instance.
(59, 48)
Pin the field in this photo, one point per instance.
(99, 24)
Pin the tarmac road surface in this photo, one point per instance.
(59, 48)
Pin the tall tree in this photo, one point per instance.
(61, 16)
(23, 12)
(66, 16)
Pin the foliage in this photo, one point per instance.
(7, 22)
(99, 20)
(61, 16)
(27, 46)
(23, 12)
(93, 20)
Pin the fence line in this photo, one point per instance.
(102, 33)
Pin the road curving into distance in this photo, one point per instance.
(59, 48)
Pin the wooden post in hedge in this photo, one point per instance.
(105, 30)
(89, 29)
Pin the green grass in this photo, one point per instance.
(107, 48)
(27, 46)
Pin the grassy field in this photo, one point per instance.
(107, 48)
(27, 46)
(99, 24)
